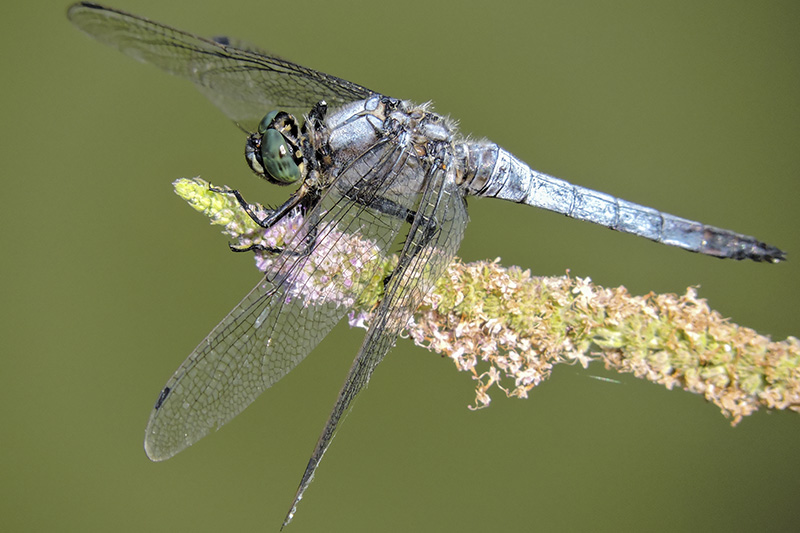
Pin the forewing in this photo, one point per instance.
(243, 82)
(286, 315)
(423, 261)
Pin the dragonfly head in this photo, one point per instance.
(274, 152)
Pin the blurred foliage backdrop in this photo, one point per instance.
(109, 280)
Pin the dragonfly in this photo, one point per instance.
(368, 168)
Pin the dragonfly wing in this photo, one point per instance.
(423, 261)
(305, 293)
(242, 81)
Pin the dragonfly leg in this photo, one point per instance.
(387, 207)
(393, 209)
(255, 248)
(311, 239)
(427, 235)
(298, 199)
(274, 215)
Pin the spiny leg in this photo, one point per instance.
(304, 201)
(393, 209)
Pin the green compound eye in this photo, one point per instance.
(276, 156)
(264, 124)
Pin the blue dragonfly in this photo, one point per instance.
(370, 171)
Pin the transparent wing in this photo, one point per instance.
(431, 245)
(243, 82)
(305, 293)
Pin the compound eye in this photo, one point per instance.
(277, 158)
(266, 121)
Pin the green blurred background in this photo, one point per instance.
(109, 280)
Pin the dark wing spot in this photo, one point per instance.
(162, 397)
